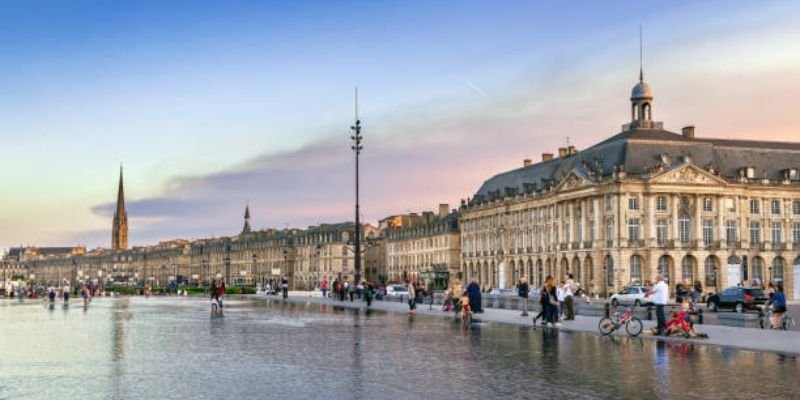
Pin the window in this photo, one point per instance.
(755, 207)
(776, 207)
(591, 206)
(636, 269)
(758, 268)
(633, 203)
(579, 232)
(796, 233)
(730, 231)
(661, 231)
(684, 228)
(755, 232)
(777, 270)
(591, 231)
(661, 203)
(708, 232)
(685, 201)
(567, 209)
(796, 207)
(633, 229)
(610, 229)
(708, 204)
(567, 233)
(776, 233)
(663, 267)
(711, 271)
(688, 267)
(608, 202)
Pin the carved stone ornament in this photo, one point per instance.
(688, 175)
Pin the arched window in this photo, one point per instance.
(758, 269)
(610, 270)
(733, 260)
(777, 270)
(636, 269)
(685, 228)
(663, 267)
(711, 271)
(688, 269)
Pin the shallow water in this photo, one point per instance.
(170, 348)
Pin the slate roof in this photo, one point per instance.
(639, 150)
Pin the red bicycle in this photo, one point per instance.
(610, 324)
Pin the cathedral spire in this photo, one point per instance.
(119, 233)
(246, 228)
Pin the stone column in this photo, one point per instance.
(675, 209)
(697, 227)
(721, 221)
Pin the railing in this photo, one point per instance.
(635, 243)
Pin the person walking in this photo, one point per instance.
(359, 290)
(412, 298)
(569, 292)
(474, 294)
(369, 293)
(562, 310)
(324, 288)
(550, 302)
(285, 287)
(541, 301)
(660, 295)
(65, 292)
(522, 291)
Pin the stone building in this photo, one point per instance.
(641, 202)
(324, 252)
(428, 249)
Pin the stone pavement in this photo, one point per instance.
(741, 338)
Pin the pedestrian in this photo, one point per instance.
(447, 302)
(697, 292)
(522, 291)
(660, 295)
(550, 302)
(540, 300)
(285, 287)
(369, 292)
(412, 298)
(324, 288)
(85, 295)
(65, 292)
(474, 294)
(562, 309)
(51, 294)
(778, 303)
(359, 290)
(569, 292)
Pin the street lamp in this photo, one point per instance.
(357, 147)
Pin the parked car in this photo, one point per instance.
(503, 292)
(396, 290)
(632, 295)
(737, 298)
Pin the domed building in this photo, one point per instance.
(644, 201)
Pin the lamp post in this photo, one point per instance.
(357, 147)
(254, 275)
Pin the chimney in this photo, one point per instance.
(444, 209)
(562, 152)
(688, 132)
(527, 162)
(547, 156)
(572, 150)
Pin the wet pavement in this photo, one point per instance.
(171, 348)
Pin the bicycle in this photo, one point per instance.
(633, 325)
(765, 320)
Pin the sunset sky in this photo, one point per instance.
(213, 104)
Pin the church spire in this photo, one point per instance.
(119, 233)
(246, 228)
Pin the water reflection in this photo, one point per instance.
(136, 348)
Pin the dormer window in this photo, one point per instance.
(750, 172)
(791, 174)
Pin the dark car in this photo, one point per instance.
(738, 299)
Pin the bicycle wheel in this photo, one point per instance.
(633, 327)
(787, 323)
(606, 326)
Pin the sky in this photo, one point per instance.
(211, 106)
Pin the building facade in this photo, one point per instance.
(426, 250)
(645, 201)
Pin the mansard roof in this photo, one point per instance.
(639, 151)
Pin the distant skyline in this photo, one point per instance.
(210, 105)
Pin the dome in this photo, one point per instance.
(641, 91)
